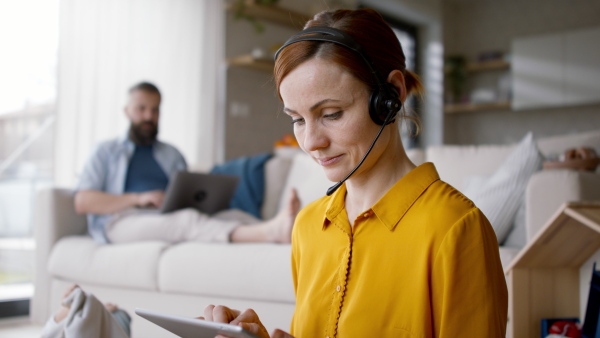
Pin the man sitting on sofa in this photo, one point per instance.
(123, 183)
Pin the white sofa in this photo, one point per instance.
(546, 190)
(182, 279)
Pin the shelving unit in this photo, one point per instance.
(249, 62)
(487, 65)
(474, 67)
(272, 13)
(544, 278)
(474, 107)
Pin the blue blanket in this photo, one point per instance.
(249, 194)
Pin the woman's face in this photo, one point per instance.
(329, 111)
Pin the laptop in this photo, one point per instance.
(192, 327)
(208, 193)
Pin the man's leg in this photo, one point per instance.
(55, 326)
(278, 229)
(191, 225)
(179, 226)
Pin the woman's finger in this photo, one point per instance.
(248, 316)
(249, 321)
(223, 314)
(255, 328)
(208, 312)
(277, 333)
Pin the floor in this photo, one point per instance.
(19, 327)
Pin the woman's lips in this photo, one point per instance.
(326, 161)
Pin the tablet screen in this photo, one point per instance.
(192, 327)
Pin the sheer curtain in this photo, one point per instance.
(106, 46)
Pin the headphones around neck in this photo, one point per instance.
(384, 102)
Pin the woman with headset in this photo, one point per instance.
(392, 250)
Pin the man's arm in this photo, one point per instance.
(101, 203)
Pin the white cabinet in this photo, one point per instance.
(582, 66)
(556, 70)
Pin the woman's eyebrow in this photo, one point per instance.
(312, 108)
(316, 105)
(288, 110)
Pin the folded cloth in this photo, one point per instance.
(87, 318)
(249, 194)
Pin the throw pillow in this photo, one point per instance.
(517, 237)
(308, 178)
(499, 197)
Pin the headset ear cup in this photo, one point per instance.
(394, 103)
(374, 107)
(384, 102)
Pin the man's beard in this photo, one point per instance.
(143, 133)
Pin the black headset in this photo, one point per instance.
(385, 101)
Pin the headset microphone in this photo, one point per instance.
(335, 187)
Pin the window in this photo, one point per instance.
(407, 35)
(29, 44)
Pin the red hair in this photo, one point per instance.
(368, 29)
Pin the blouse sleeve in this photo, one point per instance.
(470, 298)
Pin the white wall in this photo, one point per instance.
(427, 16)
(252, 92)
(107, 46)
(472, 27)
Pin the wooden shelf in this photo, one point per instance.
(474, 107)
(273, 14)
(543, 279)
(249, 62)
(487, 65)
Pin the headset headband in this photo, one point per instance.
(333, 35)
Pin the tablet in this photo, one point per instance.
(192, 327)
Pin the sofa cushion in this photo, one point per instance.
(247, 271)
(507, 255)
(456, 164)
(308, 178)
(276, 173)
(416, 156)
(551, 147)
(517, 237)
(500, 196)
(82, 260)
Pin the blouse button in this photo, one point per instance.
(366, 214)
(338, 288)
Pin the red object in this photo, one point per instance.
(566, 329)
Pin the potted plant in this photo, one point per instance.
(455, 69)
(239, 12)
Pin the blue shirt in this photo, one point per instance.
(106, 171)
(144, 173)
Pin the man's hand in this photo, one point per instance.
(151, 199)
(101, 203)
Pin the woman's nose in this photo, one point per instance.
(315, 137)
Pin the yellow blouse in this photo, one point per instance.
(422, 262)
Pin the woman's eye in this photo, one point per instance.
(298, 120)
(333, 116)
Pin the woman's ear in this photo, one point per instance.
(396, 78)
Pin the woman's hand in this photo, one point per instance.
(280, 334)
(247, 319)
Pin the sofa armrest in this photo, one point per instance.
(547, 190)
(54, 218)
